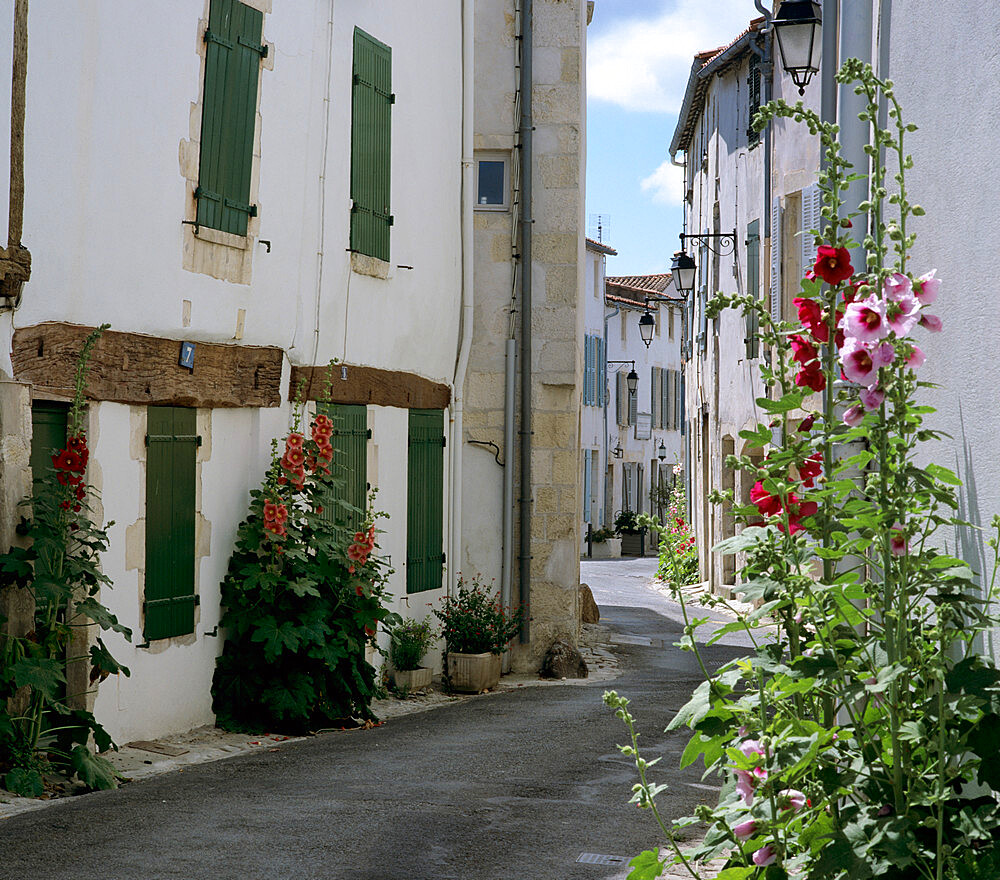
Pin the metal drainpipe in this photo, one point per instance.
(855, 42)
(767, 68)
(525, 126)
(607, 318)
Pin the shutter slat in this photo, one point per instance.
(812, 218)
(776, 259)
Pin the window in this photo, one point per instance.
(171, 452)
(229, 116)
(350, 465)
(753, 100)
(48, 433)
(491, 182)
(425, 501)
(371, 131)
(594, 369)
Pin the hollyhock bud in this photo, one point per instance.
(854, 415)
(744, 786)
(931, 322)
(807, 423)
(833, 265)
(926, 288)
(766, 855)
(791, 799)
(897, 541)
(916, 358)
(745, 830)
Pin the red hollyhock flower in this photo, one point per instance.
(767, 504)
(803, 351)
(293, 441)
(294, 458)
(811, 468)
(67, 460)
(833, 265)
(811, 377)
(811, 316)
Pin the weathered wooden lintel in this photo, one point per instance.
(138, 369)
(370, 385)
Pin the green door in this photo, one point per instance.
(425, 502)
(172, 447)
(48, 433)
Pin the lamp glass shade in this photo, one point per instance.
(632, 381)
(661, 453)
(646, 327)
(797, 27)
(683, 270)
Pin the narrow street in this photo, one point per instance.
(516, 785)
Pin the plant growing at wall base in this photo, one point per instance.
(678, 564)
(474, 621)
(41, 726)
(303, 597)
(408, 642)
(859, 739)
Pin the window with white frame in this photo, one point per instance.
(492, 181)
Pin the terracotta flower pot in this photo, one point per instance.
(473, 673)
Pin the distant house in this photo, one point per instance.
(759, 190)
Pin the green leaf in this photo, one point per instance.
(43, 674)
(93, 609)
(104, 663)
(646, 866)
(276, 638)
(735, 873)
(783, 404)
(25, 783)
(943, 474)
(93, 770)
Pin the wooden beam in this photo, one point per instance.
(137, 369)
(371, 385)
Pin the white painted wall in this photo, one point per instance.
(105, 197)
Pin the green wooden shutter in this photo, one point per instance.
(229, 115)
(350, 465)
(48, 433)
(602, 373)
(172, 446)
(656, 415)
(753, 99)
(753, 288)
(371, 130)
(425, 501)
(666, 413)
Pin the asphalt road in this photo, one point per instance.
(517, 785)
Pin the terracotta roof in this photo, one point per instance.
(601, 247)
(703, 66)
(657, 283)
(634, 290)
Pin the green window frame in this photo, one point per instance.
(425, 501)
(346, 501)
(371, 139)
(49, 425)
(171, 460)
(753, 288)
(233, 52)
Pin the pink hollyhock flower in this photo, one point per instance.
(931, 322)
(871, 398)
(926, 288)
(854, 415)
(903, 314)
(897, 541)
(866, 320)
(897, 287)
(916, 358)
(744, 786)
(792, 799)
(856, 359)
(884, 355)
(766, 855)
(833, 265)
(751, 747)
(745, 830)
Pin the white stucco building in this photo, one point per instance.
(757, 190)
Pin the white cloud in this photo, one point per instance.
(643, 64)
(666, 184)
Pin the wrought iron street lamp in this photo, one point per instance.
(797, 27)
(661, 453)
(632, 379)
(647, 324)
(682, 268)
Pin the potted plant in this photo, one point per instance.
(476, 629)
(627, 525)
(606, 544)
(408, 642)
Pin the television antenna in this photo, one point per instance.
(599, 227)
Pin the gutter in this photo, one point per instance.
(468, 291)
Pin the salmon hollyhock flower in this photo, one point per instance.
(833, 265)
(293, 441)
(294, 458)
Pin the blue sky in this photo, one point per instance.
(638, 58)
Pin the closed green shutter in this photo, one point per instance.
(425, 501)
(350, 465)
(753, 288)
(753, 99)
(229, 115)
(371, 130)
(172, 447)
(48, 433)
(602, 373)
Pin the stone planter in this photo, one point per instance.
(473, 673)
(413, 679)
(610, 549)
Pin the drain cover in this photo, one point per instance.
(599, 859)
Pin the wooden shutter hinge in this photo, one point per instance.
(444, 441)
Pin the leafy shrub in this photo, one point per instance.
(474, 621)
(302, 601)
(678, 563)
(626, 523)
(600, 536)
(408, 643)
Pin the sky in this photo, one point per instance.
(639, 55)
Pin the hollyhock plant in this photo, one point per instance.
(866, 596)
